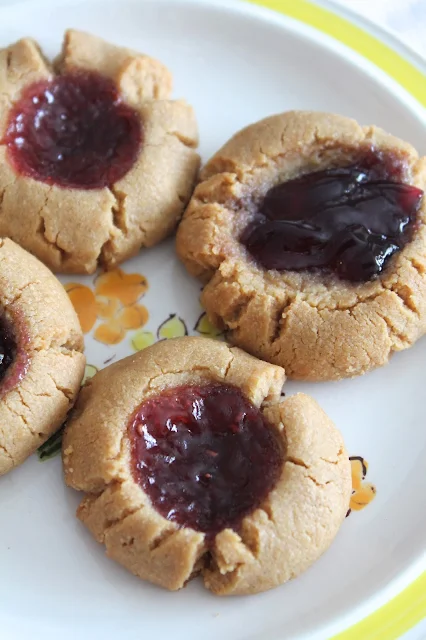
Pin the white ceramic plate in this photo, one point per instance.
(236, 64)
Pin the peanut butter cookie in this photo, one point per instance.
(41, 359)
(309, 231)
(192, 465)
(96, 160)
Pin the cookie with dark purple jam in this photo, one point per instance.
(309, 232)
(14, 352)
(8, 346)
(192, 464)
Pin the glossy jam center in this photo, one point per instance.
(205, 455)
(349, 220)
(74, 131)
(7, 346)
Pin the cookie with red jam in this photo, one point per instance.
(192, 465)
(96, 160)
(309, 232)
(41, 359)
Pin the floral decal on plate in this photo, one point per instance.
(207, 328)
(362, 492)
(172, 327)
(114, 301)
(89, 372)
(143, 339)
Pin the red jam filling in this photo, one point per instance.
(348, 220)
(205, 455)
(73, 131)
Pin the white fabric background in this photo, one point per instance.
(406, 18)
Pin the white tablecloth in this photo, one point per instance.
(406, 18)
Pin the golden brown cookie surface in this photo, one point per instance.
(317, 327)
(276, 541)
(72, 230)
(47, 364)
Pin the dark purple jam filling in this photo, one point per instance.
(73, 131)
(205, 455)
(8, 347)
(349, 221)
(14, 357)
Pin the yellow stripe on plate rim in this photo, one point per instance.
(407, 609)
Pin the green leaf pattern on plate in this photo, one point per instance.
(51, 447)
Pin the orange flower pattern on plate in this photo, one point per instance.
(362, 492)
(114, 301)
